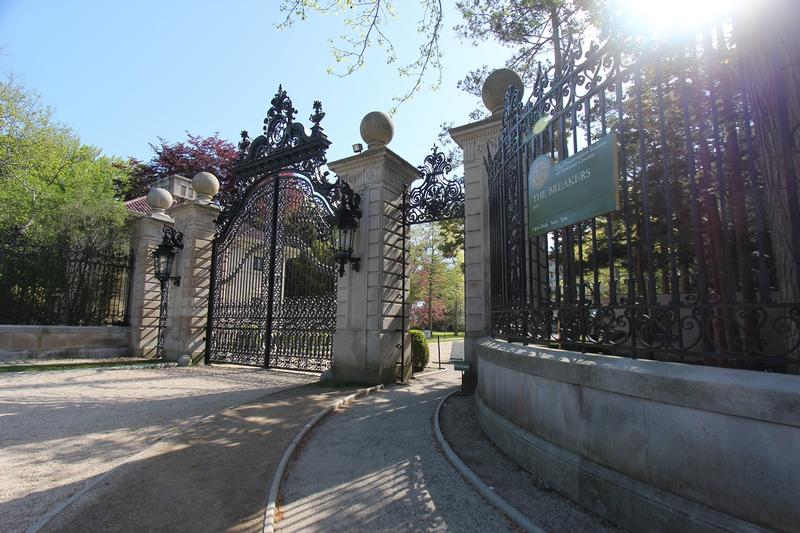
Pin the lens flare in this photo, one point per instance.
(663, 16)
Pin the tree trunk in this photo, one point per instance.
(768, 42)
(769, 52)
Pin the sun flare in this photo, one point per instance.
(670, 15)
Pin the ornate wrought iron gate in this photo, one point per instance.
(273, 275)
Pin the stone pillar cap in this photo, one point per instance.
(495, 87)
(377, 129)
(159, 201)
(206, 185)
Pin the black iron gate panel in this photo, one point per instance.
(241, 284)
(304, 282)
(272, 299)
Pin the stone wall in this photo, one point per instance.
(32, 342)
(651, 445)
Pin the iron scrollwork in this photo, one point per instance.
(439, 197)
(284, 146)
(342, 196)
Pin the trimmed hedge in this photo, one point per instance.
(420, 354)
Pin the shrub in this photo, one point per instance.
(420, 354)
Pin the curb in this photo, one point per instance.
(432, 372)
(519, 520)
(269, 514)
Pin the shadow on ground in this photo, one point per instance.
(212, 477)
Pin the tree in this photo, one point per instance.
(367, 21)
(54, 187)
(769, 51)
(451, 238)
(437, 282)
(529, 29)
(195, 154)
(537, 32)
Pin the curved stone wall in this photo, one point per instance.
(651, 445)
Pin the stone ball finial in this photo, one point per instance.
(495, 87)
(377, 129)
(206, 185)
(159, 200)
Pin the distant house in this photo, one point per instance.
(178, 186)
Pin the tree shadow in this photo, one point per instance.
(213, 476)
(377, 468)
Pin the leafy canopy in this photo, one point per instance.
(53, 186)
(187, 158)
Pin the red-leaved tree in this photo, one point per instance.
(195, 154)
(418, 318)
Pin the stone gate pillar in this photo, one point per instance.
(145, 290)
(188, 306)
(474, 138)
(370, 302)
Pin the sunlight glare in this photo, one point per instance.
(670, 15)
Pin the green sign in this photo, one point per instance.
(575, 189)
(461, 365)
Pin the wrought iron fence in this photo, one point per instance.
(685, 270)
(61, 285)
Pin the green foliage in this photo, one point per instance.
(54, 187)
(452, 238)
(437, 279)
(528, 30)
(420, 353)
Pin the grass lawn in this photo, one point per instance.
(445, 336)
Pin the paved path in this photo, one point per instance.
(60, 430)
(375, 466)
(449, 350)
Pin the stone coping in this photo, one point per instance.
(14, 328)
(758, 395)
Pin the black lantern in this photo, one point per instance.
(343, 227)
(163, 258)
(164, 255)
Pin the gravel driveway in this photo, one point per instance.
(60, 430)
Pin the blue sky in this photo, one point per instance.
(122, 74)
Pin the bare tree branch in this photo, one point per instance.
(369, 20)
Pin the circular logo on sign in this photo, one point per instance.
(539, 172)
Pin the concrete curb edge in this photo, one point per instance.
(519, 519)
(274, 490)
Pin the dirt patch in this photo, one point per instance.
(545, 507)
